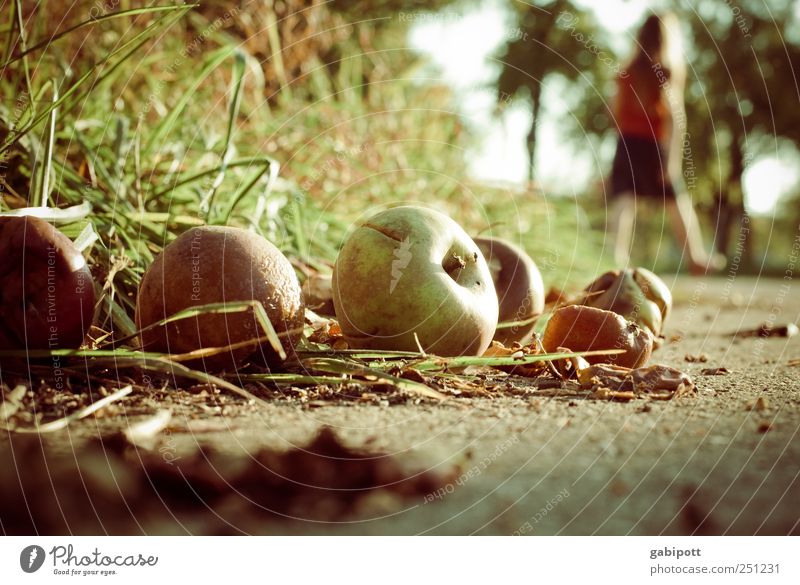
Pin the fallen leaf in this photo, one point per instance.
(615, 382)
(720, 371)
(608, 394)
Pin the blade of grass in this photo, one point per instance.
(298, 379)
(43, 196)
(10, 32)
(165, 366)
(86, 238)
(273, 167)
(239, 67)
(354, 369)
(194, 177)
(219, 308)
(22, 44)
(523, 323)
(120, 318)
(360, 353)
(440, 363)
(120, 359)
(55, 215)
(214, 60)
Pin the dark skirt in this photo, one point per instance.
(640, 167)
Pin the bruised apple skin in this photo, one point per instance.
(519, 287)
(215, 264)
(637, 294)
(581, 328)
(414, 270)
(46, 289)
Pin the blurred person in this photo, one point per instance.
(650, 118)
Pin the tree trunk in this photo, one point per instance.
(733, 222)
(531, 141)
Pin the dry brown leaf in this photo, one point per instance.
(615, 382)
(602, 393)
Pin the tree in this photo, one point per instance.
(556, 38)
(744, 93)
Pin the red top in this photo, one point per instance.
(641, 108)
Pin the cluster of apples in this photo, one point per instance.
(411, 278)
(407, 279)
(623, 310)
(47, 300)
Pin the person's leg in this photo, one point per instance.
(686, 228)
(623, 216)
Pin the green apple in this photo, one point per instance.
(412, 270)
(519, 287)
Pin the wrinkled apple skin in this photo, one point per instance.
(582, 328)
(519, 287)
(637, 294)
(412, 270)
(218, 264)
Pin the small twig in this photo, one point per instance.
(550, 366)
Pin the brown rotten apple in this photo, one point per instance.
(412, 270)
(519, 287)
(581, 328)
(637, 294)
(214, 264)
(46, 289)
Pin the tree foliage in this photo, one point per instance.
(742, 95)
(557, 39)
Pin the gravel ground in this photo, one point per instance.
(726, 461)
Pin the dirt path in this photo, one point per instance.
(556, 465)
(543, 463)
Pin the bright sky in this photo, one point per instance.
(459, 43)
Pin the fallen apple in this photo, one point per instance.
(412, 270)
(519, 287)
(582, 328)
(46, 289)
(214, 264)
(637, 294)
